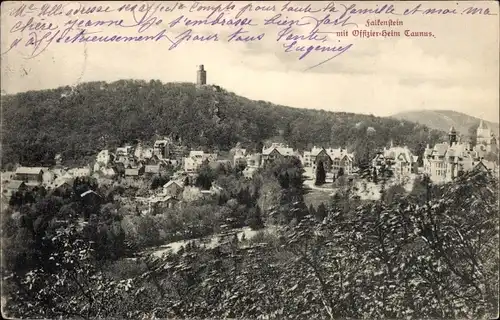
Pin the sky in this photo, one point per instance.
(457, 69)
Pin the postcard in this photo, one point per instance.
(249, 159)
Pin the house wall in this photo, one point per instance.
(29, 177)
(173, 190)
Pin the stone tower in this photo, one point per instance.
(202, 76)
(452, 136)
(483, 133)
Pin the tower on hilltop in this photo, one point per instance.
(202, 76)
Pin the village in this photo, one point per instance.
(176, 167)
(171, 160)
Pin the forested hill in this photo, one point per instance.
(80, 121)
(444, 119)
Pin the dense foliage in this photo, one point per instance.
(39, 124)
(430, 254)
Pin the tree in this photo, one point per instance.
(473, 133)
(320, 174)
(245, 198)
(312, 211)
(158, 181)
(340, 173)
(259, 146)
(83, 184)
(321, 212)
(289, 174)
(119, 169)
(365, 170)
(254, 220)
(75, 289)
(392, 192)
(375, 176)
(22, 197)
(205, 177)
(385, 173)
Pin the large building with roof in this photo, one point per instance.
(443, 162)
(400, 160)
(486, 141)
(341, 159)
(333, 159)
(276, 151)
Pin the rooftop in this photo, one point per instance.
(29, 170)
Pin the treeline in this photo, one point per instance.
(78, 122)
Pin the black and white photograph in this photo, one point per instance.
(250, 160)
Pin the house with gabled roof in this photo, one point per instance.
(30, 174)
(80, 172)
(315, 156)
(62, 187)
(162, 148)
(124, 151)
(486, 140)
(341, 160)
(400, 160)
(253, 160)
(107, 171)
(173, 188)
(104, 157)
(152, 169)
(165, 201)
(191, 165)
(14, 186)
(134, 172)
(239, 155)
(443, 162)
(481, 167)
(276, 151)
(196, 158)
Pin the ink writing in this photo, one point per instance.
(315, 32)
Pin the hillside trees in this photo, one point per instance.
(72, 287)
(418, 261)
(126, 110)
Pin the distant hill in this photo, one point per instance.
(78, 122)
(444, 119)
